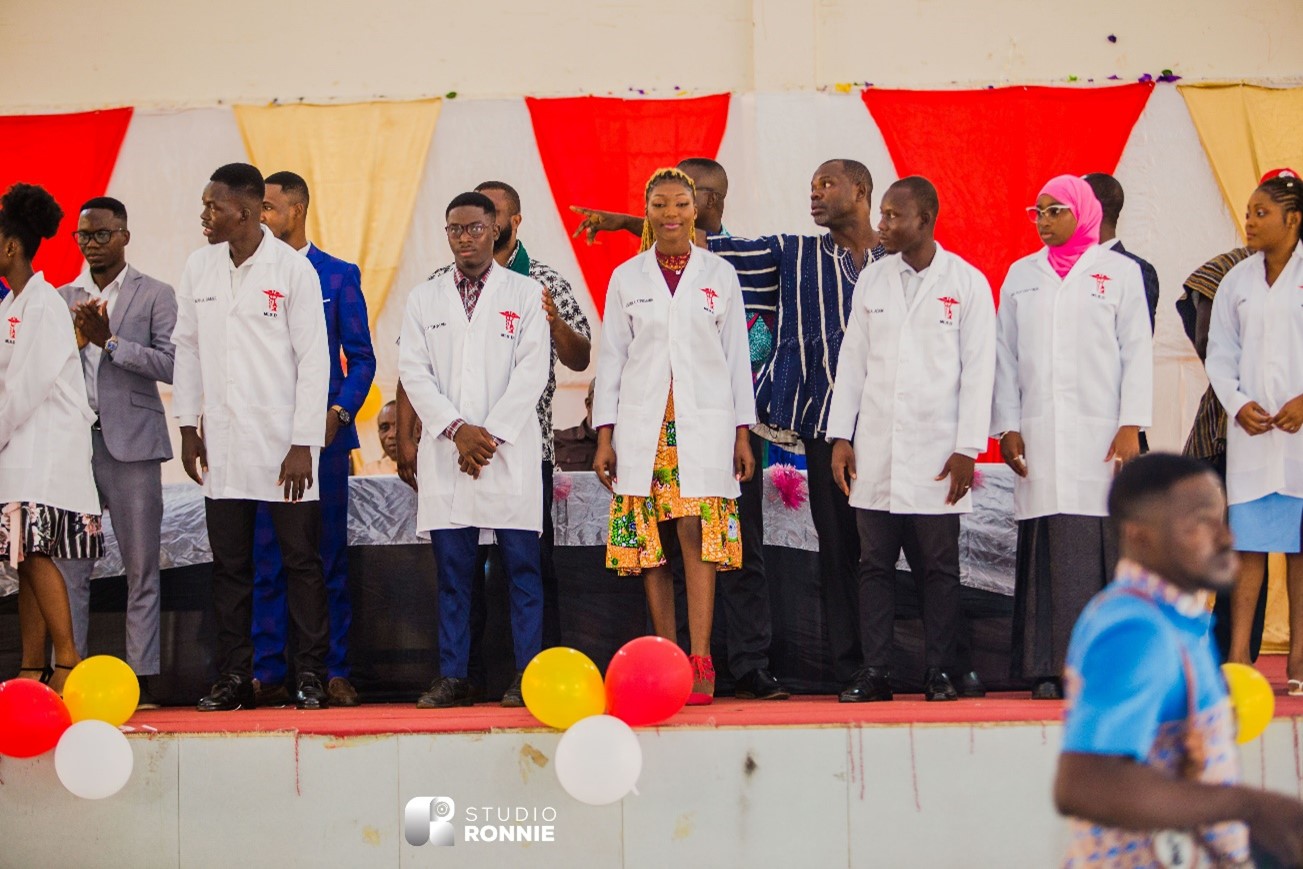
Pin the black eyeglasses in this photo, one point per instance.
(101, 236)
(476, 230)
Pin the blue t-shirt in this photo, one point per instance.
(1125, 671)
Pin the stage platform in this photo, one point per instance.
(805, 782)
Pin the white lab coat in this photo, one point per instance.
(918, 379)
(1073, 365)
(1255, 353)
(252, 362)
(489, 371)
(698, 336)
(45, 419)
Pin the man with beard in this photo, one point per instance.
(1149, 770)
(909, 418)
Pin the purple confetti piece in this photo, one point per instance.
(1112, 38)
(1145, 78)
(1169, 76)
(1115, 78)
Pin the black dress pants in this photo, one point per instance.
(743, 594)
(931, 544)
(230, 534)
(839, 553)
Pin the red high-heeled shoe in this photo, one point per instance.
(703, 681)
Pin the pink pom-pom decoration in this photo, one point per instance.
(790, 484)
(978, 479)
(561, 487)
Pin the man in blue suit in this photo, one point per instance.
(284, 211)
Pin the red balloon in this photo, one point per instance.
(32, 718)
(648, 681)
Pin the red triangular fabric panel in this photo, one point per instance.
(600, 151)
(72, 156)
(990, 151)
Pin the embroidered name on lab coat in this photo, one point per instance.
(948, 305)
(205, 299)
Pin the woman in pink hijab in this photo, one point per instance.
(1073, 387)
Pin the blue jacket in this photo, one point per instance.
(347, 329)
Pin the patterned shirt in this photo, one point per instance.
(1143, 682)
(470, 288)
(564, 298)
(1208, 433)
(805, 283)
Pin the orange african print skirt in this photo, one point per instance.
(634, 543)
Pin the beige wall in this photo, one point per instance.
(63, 54)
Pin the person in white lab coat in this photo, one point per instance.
(672, 406)
(910, 414)
(474, 359)
(1073, 388)
(47, 490)
(1255, 364)
(250, 381)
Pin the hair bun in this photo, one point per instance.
(34, 207)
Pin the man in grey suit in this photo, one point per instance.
(124, 325)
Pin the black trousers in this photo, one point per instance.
(230, 534)
(551, 612)
(931, 545)
(743, 594)
(839, 553)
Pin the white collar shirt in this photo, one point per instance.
(92, 355)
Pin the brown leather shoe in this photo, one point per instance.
(270, 695)
(340, 692)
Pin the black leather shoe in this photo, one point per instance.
(445, 692)
(147, 700)
(870, 685)
(937, 685)
(970, 685)
(310, 694)
(513, 699)
(230, 691)
(1047, 689)
(760, 684)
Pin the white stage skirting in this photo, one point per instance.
(889, 796)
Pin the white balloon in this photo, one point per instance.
(93, 759)
(598, 760)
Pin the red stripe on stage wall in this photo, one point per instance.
(598, 152)
(990, 151)
(72, 156)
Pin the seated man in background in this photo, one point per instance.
(387, 427)
(576, 446)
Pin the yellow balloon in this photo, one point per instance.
(102, 688)
(371, 405)
(1252, 699)
(562, 686)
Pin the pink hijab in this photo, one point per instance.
(1071, 190)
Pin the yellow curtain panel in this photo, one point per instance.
(1246, 130)
(363, 163)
